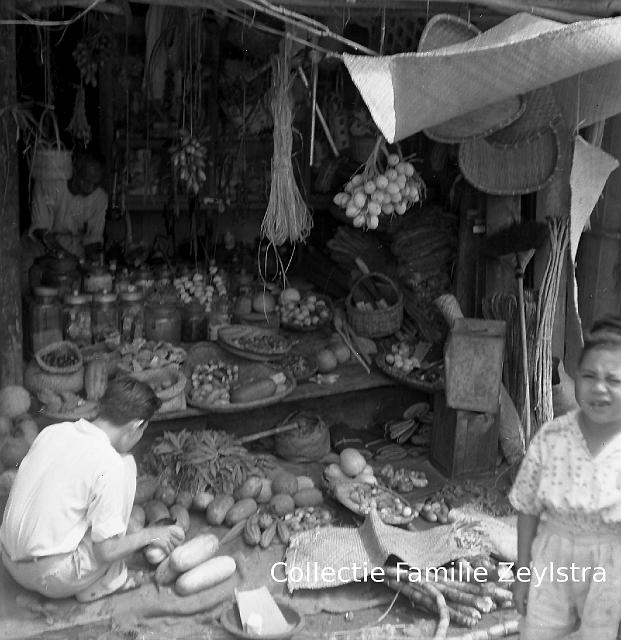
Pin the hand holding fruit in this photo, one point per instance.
(166, 538)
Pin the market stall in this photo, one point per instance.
(293, 261)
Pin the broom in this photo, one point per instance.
(515, 246)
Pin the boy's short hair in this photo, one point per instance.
(605, 333)
(127, 399)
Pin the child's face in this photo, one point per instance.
(598, 385)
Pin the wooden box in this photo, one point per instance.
(463, 443)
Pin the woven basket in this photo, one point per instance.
(36, 380)
(380, 322)
(515, 170)
(49, 163)
(63, 345)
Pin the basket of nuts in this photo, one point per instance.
(59, 357)
(361, 498)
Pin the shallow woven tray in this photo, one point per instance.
(203, 352)
(340, 492)
(228, 337)
(407, 379)
(313, 365)
(64, 345)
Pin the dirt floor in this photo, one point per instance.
(147, 613)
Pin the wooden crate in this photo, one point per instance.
(464, 444)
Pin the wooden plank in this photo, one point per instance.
(10, 294)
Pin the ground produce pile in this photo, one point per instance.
(488, 500)
(202, 460)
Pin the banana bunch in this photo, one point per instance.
(188, 159)
(92, 53)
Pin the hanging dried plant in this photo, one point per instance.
(78, 126)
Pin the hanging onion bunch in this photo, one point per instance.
(92, 53)
(287, 218)
(386, 185)
(188, 160)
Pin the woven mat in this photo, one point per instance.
(409, 92)
(313, 558)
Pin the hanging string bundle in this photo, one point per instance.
(287, 218)
(546, 307)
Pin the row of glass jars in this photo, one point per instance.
(111, 317)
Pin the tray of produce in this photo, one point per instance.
(144, 354)
(360, 497)
(222, 386)
(299, 365)
(254, 343)
(428, 377)
(309, 313)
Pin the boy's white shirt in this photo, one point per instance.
(71, 480)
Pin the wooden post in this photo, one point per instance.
(10, 293)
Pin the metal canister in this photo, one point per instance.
(77, 319)
(105, 318)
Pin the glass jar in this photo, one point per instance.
(144, 279)
(123, 282)
(193, 323)
(97, 278)
(219, 315)
(164, 278)
(105, 319)
(131, 315)
(163, 322)
(44, 319)
(62, 274)
(40, 266)
(77, 325)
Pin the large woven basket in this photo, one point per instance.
(51, 162)
(378, 323)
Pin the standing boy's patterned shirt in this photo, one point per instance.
(560, 479)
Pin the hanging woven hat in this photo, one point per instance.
(541, 110)
(511, 170)
(444, 30)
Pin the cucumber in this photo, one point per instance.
(205, 575)
(253, 391)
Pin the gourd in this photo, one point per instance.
(205, 575)
(193, 552)
(96, 379)
(308, 498)
(218, 508)
(165, 574)
(181, 516)
(241, 510)
(282, 504)
(13, 451)
(155, 511)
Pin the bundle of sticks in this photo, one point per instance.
(453, 600)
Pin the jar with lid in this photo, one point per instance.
(44, 319)
(144, 279)
(105, 321)
(62, 274)
(97, 278)
(77, 319)
(123, 283)
(219, 315)
(131, 315)
(193, 322)
(163, 322)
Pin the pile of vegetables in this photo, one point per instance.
(144, 354)
(198, 461)
(385, 186)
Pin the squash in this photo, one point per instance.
(166, 494)
(193, 552)
(218, 508)
(155, 510)
(308, 498)
(96, 378)
(13, 451)
(184, 498)
(165, 574)
(14, 400)
(202, 500)
(181, 516)
(205, 575)
(282, 504)
(154, 555)
(285, 482)
(6, 426)
(252, 391)
(265, 495)
(250, 488)
(240, 511)
(145, 489)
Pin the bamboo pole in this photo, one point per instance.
(561, 10)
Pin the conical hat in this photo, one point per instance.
(445, 30)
